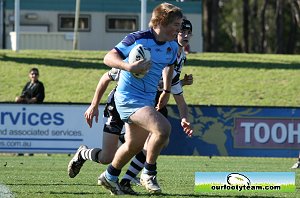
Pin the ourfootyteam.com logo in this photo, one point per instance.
(239, 182)
(245, 182)
(235, 181)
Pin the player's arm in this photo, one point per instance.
(183, 111)
(93, 111)
(167, 80)
(114, 59)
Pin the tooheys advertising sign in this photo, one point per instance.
(237, 131)
(267, 133)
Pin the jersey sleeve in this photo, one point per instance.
(125, 46)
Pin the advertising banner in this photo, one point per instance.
(237, 131)
(247, 182)
(47, 128)
(218, 130)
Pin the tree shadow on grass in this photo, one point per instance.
(85, 63)
(79, 63)
(242, 64)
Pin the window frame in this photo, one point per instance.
(129, 17)
(61, 29)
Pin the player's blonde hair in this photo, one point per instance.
(164, 14)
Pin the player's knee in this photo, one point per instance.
(165, 130)
(162, 135)
(163, 138)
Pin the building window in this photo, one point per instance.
(66, 23)
(121, 23)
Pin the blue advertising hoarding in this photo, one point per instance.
(218, 130)
(237, 131)
(46, 128)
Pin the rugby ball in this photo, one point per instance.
(238, 179)
(137, 53)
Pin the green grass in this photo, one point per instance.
(46, 176)
(219, 78)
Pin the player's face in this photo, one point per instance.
(171, 30)
(184, 37)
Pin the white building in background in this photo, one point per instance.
(49, 24)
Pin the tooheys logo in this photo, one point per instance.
(266, 133)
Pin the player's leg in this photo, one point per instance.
(135, 167)
(160, 129)
(104, 155)
(111, 131)
(144, 120)
(135, 138)
(138, 162)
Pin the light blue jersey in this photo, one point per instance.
(134, 93)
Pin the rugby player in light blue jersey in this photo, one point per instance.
(135, 97)
(137, 163)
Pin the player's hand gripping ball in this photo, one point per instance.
(138, 53)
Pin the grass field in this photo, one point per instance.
(219, 78)
(46, 176)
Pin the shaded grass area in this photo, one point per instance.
(58, 61)
(219, 78)
(46, 176)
